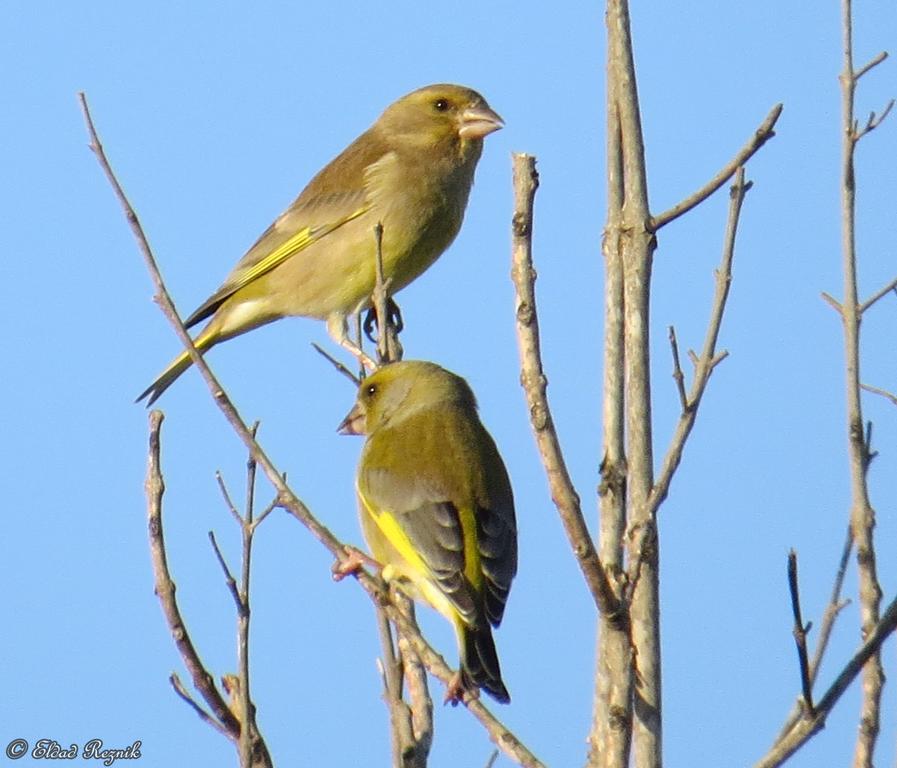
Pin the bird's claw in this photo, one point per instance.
(393, 318)
(353, 562)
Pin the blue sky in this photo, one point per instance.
(215, 116)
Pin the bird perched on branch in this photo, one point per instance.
(411, 171)
(436, 506)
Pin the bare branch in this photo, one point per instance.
(403, 744)
(340, 368)
(800, 633)
(709, 358)
(389, 349)
(165, 589)
(892, 286)
(873, 121)
(678, 376)
(610, 734)
(809, 725)
(874, 62)
(415, 673)
(829, 616)
(228, 576)
(534, 382)
(862, 515)
(185, 696)
(229, 502)
(883, 392)
(763, 134)
(832, 302)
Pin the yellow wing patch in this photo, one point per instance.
(298, 242)
(414, 568)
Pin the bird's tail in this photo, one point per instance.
(205, 341)
(479, 662)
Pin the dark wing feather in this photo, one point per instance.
(496, 531)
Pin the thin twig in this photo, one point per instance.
(763, 134)
(534, 383)
(892, 286)
(165, 589)
(829, 616)
(228, 576)
(809, 725)
(678, 376)
(832, 302)
(340, 368)
(874, 62)
(709, 357)
(883, 392)
(800, 632)
(873, 121)
(185, 696)
(228, 501)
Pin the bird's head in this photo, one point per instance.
(398, 390)
(438, 113)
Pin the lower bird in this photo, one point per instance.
(436, 506)
(410, 172)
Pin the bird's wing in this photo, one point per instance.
(281, 242)
(497, 544)
(336, 196)
(425, 529)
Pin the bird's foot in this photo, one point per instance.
(393, 318)
(456, 691)
(353, 562)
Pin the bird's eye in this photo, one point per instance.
(440, 105)
(371, 390)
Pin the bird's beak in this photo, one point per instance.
(353, 424)
(477, 122)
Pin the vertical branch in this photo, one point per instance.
(420, 703)
(389, 349)
(610, 734)
(862, 516)
(221, 715)
(800, 633)
(411, 722)
(637, 244)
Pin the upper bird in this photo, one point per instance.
(436, 506)
(411, 171)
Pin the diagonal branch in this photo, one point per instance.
(763, 134)
(534, 382)
(809, 725)
(709, 357)
(873, 121)
(873, 62)
(880, 294)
